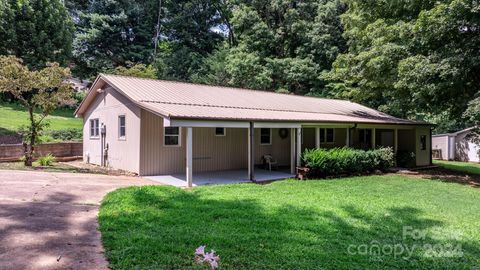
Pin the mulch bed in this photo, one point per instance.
(446, 175)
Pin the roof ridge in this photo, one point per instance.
(228, 87)
(259, 109)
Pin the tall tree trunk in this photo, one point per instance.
(33, 134)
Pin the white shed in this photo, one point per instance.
(460, 145)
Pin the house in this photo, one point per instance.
(154, 127)
(462, 145)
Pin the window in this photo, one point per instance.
(327, 135)
(219, 131)
(423, 142)
(365, 136)
(265, 136)
(121, 127)
(94, 128)
(171, 136)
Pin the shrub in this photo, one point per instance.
(68, 134)
(339, 161)
(46, 160)
(406, 159)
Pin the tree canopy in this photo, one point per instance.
(38, 31)
(415, 59)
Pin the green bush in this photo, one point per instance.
(341, 161)
(46, 160)
(69, 134)
(406, 159)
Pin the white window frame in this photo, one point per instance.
(179, 137)
(96, 128)
(324, 131)
(124, 137)
(269, 137)
(220, 135)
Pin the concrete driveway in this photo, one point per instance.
(49, 220)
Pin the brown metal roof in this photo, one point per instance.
(196, 101)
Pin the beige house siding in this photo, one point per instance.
(122, 153)
(210, 152)
(279, 149)
(308, 136)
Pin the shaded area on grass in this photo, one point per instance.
(288, 225)
(465, 167)
(448, 175)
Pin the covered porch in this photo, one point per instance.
(220, 177)
(234, 154)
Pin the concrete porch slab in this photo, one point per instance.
(219, 177)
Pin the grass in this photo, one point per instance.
(294, 225)
(13, 116)
(459, 166)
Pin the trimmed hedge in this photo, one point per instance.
(341, 161)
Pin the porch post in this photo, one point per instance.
(395, 140)
(299, 146)
(374, 139)
(189, 157)
(251, 174)
(317, 137)
(347, 141)
(292, 151)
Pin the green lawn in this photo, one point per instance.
(459, 166)
(13, 116)
(295, 225)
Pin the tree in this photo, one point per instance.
(137, 70)
(38, 91)
(112, 33)
(188, 36)
(38, 31)
(278, 45)
(416, 59)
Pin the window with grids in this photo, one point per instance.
(94, 128)
(327, 135)
(171, 136)
(265, 136)
(121, 126)
(365, 136)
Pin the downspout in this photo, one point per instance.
(102, 158)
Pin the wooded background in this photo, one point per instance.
(418, 59)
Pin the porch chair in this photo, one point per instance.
(269, 161)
